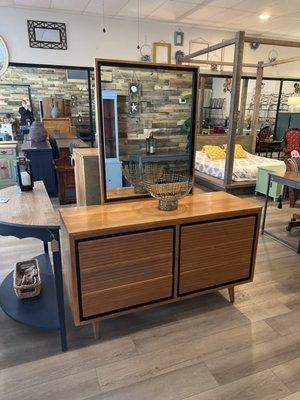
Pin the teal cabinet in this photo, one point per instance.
(8, 156)
(262, 181)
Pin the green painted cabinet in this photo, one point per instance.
(8, 155)
(262, 181)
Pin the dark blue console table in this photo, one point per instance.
(30, 214)
(41, 157)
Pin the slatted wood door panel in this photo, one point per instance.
(215, 253)
(125, 271)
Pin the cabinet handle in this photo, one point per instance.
(3, 167)
(3, 151)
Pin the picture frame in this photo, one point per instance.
(178, 38)
(162, 52)
(47, 35)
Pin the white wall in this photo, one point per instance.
(86, 40)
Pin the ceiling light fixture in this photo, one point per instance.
(138, 24)
(264, 17)
(103, 17)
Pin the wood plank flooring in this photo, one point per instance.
(201, 349)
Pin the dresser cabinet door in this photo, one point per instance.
(215, 253)
(121, 272)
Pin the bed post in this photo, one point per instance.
(234, 105)
(243, 106)
(201, 102)
(256, 106)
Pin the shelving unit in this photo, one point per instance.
(21, 217)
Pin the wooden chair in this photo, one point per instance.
(65, 180)
(293, 164)
(263, 139)
(291, 141)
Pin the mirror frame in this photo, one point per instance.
(99, 62)
(6, 56)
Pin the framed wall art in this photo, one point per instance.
(47, 35)
(162, 52)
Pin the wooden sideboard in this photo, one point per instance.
(126, 256)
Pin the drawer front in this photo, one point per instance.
(215, 253)
(6, 170)
(6, 152)
(120, 272)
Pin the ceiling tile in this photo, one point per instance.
(257, 6)
(171, 10)
(146, 8)
(33, 3)
(111, 7)
(225, 3)
(70, 5)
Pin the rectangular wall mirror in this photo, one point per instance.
(146, 115)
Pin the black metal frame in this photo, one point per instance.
(151, 66)
(41, 44)
(267, 78)
(77, 257)
(88, 69)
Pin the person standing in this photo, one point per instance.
(26, 114)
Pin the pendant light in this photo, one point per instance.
(138, 23)
(103, 17)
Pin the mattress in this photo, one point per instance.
(244, 169)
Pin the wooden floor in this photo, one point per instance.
(200, 349)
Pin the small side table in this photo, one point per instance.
(291, 179)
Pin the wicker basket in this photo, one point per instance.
(25, 291)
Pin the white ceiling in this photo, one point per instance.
(220, 14)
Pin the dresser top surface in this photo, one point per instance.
(142, 214)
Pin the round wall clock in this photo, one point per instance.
(133, 88)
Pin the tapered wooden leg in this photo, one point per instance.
(231, 294)
(96, 329)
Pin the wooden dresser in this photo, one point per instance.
(126, 256)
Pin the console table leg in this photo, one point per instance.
(60, 295)
(46, 249)
(96, 329)
(231, 294)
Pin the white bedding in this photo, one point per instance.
(244, 169)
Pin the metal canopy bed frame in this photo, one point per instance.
(238, 42)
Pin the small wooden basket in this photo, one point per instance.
(25, 291)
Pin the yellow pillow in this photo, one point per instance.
(239, 152)
(214, 152)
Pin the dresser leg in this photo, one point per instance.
(96, 329)
(231, 294)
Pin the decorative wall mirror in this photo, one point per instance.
(4, 58)
(146, 115)
(47, 35)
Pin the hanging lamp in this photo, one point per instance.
(138, 25)
(103, 17)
